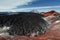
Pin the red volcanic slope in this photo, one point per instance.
(53, 33)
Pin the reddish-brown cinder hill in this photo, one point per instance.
(49, 13)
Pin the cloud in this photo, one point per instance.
(45, 8)
(9, 4)
(40, 9)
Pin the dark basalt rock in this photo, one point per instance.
(24, 23)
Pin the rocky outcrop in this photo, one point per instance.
(24, 23)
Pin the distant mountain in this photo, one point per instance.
(4, 13)
(33, 11)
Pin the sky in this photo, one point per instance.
(29, 5)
